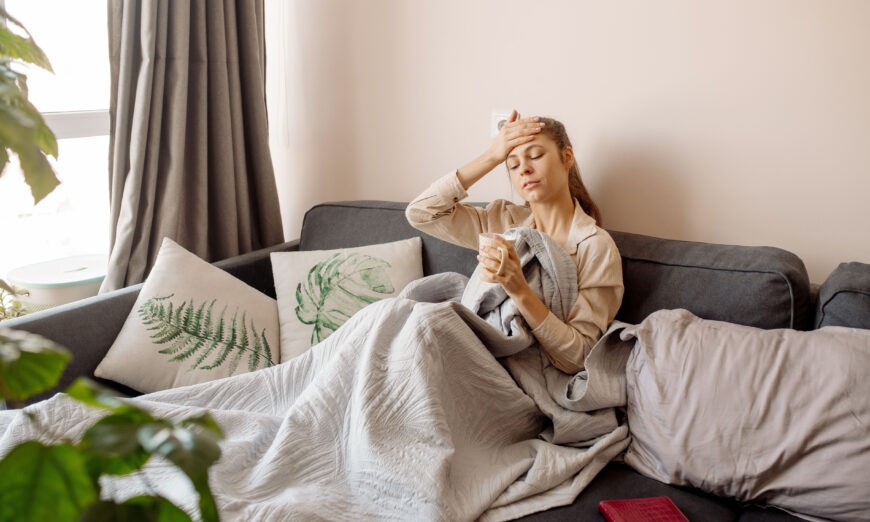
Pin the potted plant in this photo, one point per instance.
(10, 307)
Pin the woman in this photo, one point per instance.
(542, 170)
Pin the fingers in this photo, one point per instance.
(502, 261)
(489, 258)
(514, 142)
(522, 128)
(495, 258)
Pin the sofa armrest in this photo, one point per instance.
(89, 327)
(844, 297)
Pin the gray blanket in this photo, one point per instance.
(404, 413)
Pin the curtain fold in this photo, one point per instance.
(189, 153)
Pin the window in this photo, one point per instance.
(74, 218)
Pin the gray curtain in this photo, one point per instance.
(189, 152)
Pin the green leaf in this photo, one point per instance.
(337, 288)
(111, 446)
(38, 173)
(140, 509)
(39, 482)
(4, 159)
(96, 396)
(20, 48)
(204, 421)
(6, 287)
(22, 128)
(197, 332)
(29, 364)
(193, 451)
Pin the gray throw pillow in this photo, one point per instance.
(780, 417)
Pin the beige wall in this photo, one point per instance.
(743, 122)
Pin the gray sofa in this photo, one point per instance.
(758, 286)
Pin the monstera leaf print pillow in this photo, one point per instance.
(192, 322)
(318, 290)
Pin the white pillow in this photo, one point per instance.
(775, 417)
(191, 323)
(318, 290)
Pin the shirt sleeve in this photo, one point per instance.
(437, 211)
(599, 295)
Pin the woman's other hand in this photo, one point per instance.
(512, 280)
(515, 131)
(511, 276)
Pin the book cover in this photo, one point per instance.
(651, 509)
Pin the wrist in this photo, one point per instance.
(475, 169)
(491, 158)
(530, 305)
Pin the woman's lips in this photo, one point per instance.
(529, 184)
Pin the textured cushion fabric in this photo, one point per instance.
(357, 223)
(192, 322)
(776, 417)
(844, 297)
(318, 290)
(756, 286)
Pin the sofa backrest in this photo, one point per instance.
(757, 286)
(358, 223)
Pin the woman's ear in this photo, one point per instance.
(568, 156)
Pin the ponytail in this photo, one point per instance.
(556, 131)
(579, 192)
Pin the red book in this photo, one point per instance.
(652, 509)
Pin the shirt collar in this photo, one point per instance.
(582, 227)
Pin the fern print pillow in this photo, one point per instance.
(192, 323)
(318, 290)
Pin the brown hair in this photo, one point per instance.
(556, 132)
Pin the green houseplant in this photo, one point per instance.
(62, 481)
(23, 132)
(10, 307)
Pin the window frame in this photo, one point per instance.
(78, 124)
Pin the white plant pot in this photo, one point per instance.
(59, 281)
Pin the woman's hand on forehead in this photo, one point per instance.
(516, 131)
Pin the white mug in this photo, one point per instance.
(486, 239)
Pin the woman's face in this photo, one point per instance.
(539, 170)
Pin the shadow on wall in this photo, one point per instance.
(641, 191)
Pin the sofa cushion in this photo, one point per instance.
(844, 297)
(192, 322)
(764, 287)
(752, 414)
(318, 290)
